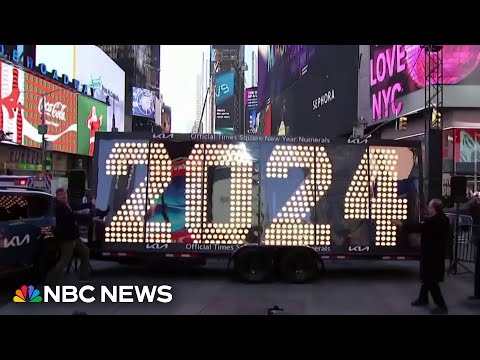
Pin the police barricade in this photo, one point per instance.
(463, 249)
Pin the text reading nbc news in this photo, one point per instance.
(111, 294)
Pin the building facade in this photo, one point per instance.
(227, 69)
(199, 95)
(72, 120)
(141, 64)
(399, 91)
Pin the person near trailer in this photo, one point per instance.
(434, 231)
(67, 235)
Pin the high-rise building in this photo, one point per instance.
(251, 60)
(141, 64)
(202, 111)
(227, 66)
(198, 104)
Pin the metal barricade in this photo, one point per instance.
(463, 250)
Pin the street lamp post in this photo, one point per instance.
(44, 145)
(44, 129)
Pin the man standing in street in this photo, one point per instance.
(434, 231)
(68, 237)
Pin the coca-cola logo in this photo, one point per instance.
(54, 110)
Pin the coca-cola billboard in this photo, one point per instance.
(55, 110)
(23, 104)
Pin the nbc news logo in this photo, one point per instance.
(86, 294)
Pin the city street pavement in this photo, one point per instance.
(348, 288)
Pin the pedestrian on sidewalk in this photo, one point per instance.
(434, 231)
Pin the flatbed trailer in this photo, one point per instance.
(270, 204)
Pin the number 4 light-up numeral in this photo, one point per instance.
(289, 227)
(380, 193)
(128, 223)
(203, 157)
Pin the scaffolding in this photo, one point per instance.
(433, 120)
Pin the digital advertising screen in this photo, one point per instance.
(251, 110)
(92, 117)
(280, 66)
(166, 119)
(314, 95)
(22, 109)
(143, 103)
(91, 66)
(262, 190)
(265, 121)
(398, 70)
(224, 102)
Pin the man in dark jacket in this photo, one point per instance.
(434, 235)
(68, 237)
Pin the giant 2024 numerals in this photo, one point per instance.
(371, 195)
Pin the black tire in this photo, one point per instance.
(298, 266)
(254, 265)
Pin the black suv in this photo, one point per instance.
(27, 220)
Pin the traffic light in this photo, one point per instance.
(402, 123)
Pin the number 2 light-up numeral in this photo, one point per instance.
(127, 224)
(237, 158)
(289, 227)
(381, 193)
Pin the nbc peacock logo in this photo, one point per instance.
(27, 294)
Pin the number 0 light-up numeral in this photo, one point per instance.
(127, 224)
(237, 158)
(381, 192)
(289, 227)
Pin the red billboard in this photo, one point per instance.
(22, 107)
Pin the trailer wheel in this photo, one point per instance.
(253, 265)
(299, 265)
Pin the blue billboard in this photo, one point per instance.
(224, 102)
(143, 103)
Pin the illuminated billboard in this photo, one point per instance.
(92, 117)
(90, 66)
(224, 102)
(143, 103)
(166, 119)
(398, 70)
(251, 110)
(312, 90)
(22, 109)
(280, 66)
